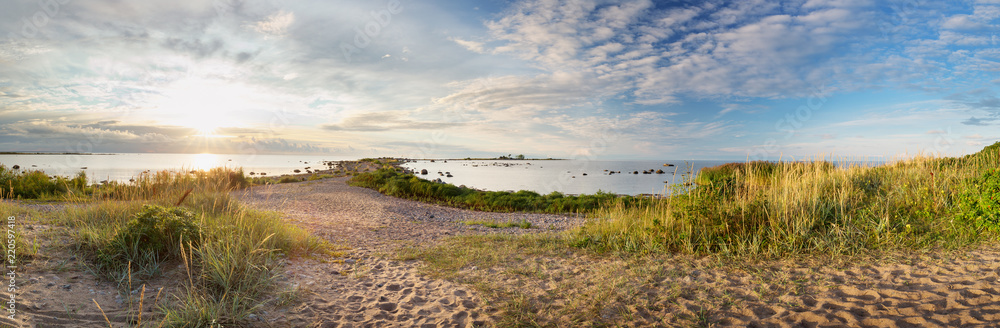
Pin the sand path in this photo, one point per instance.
(365, 289)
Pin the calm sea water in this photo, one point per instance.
(122, 167)
(566, 176)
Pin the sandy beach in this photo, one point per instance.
(369, 286)
(943, 290)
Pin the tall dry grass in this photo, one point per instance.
(775, 209)
(132, 232)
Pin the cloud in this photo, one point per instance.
(746, 50)
(988, 103)
(729, 108)
(276, 24)
(525, 95)
(980, 121)
(473, 46)
(196, 47)
(69, 134)
(384, 121)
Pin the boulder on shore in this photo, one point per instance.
(423, 172)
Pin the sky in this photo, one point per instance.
(564, 79)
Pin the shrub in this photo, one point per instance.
(979, 202)
(36, 184)
(152, 236)
(394, 183)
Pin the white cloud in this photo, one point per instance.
(473, 46)
(747, 51)
(276, 24)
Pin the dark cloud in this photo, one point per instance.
(988, 103)
(196, 47)
(980, 121)
(243, 56)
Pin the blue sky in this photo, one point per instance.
(580, 79)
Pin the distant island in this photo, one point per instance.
(518, 157)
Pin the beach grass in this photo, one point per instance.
(766, 209)
(132, 233)
(776, 209)
(32, 184)
(735, 216)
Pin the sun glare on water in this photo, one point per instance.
(205, 161)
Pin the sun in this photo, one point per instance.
(204, 127)
(203, 105)
(205, 131)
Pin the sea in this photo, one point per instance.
(122, 167)
(566, 176)
(542, 176)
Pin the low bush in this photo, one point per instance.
(36, 184)
(394, 183)
(979, 201)
(152, 236)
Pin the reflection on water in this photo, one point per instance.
(204, 161)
